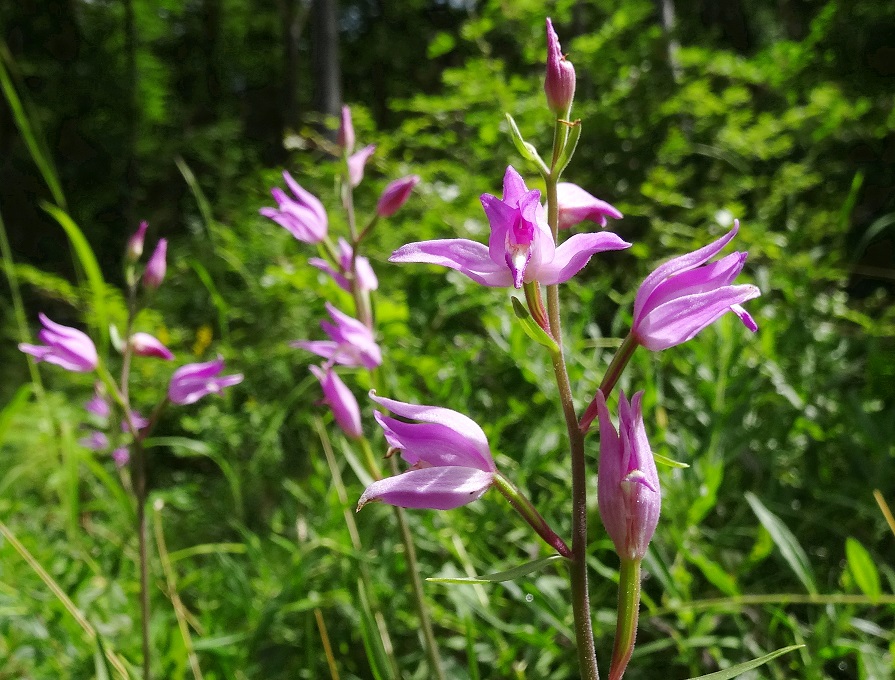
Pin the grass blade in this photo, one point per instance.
(60, 594)
(88, 264)
(739, 669)
(29, 132)
(784, 539)
(862, 568)
(508, 575)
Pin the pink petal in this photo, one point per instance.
(464, 426)
(698, 280)
(306, 198)
(680, 264)
(434, 444)
(435, 488)
(341, 401)
(577, 205)
(356, 163)
(467, 257)
(574, 253)
(513, 186)
(682, 318)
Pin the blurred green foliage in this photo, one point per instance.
(780, 114)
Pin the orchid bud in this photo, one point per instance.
(156, 267)
(339, 398)
(146, 345)
(628, 484)
(345, 136)
(356, 163)
(559, 84)
(135, 243)
(395, 195)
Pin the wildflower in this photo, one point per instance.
(98, 404)
(156, 267)
(395, 195)
(121, 456)
(681, 297)
(345, 137)
(140, 423)
(576, 205)
(351, 343)
(341, 401)
(303, 216)
(356, 163)
(135, 243)
(191, 382)
(95, 441)
(146, 345)
(628, 484)
(449, 454)
(520, 248)
(363, 272)
(67, 347)
(559, 84)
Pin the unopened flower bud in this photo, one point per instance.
(135, 243)
(345, 137)
(146, 345)
(157, 266)
(559, 85)
(395, 195)
(628, 485)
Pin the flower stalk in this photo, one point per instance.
(616, 367)
(530, 514)
(627, 616)
(587, 657)
(363, 310)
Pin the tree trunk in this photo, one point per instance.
(327, 73)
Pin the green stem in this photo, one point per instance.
(622, 356)
(530, 514)
(138, 470)
(587, 657)
(363, 310)
(354, 534)
(628, 613)
(435, 668)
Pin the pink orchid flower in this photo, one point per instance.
(520, 249)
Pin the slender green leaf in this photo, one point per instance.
(788, 544)
(741, 668)
(11, 410)
(103, 672)
(89, 265)
(216, 298)
(508, 575)
(665, 460)
(862, 568)
(532, 329)
(32, 137)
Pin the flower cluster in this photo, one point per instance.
(73, 350)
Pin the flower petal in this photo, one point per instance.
(462, 425)
(698, 280)
(435, 488)
(432, 443)
(577, 205)
(574, 253)
(356, 163)
(680, 264)
(513, 186)
(306, 198)
(682, 318)
(467, 257)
